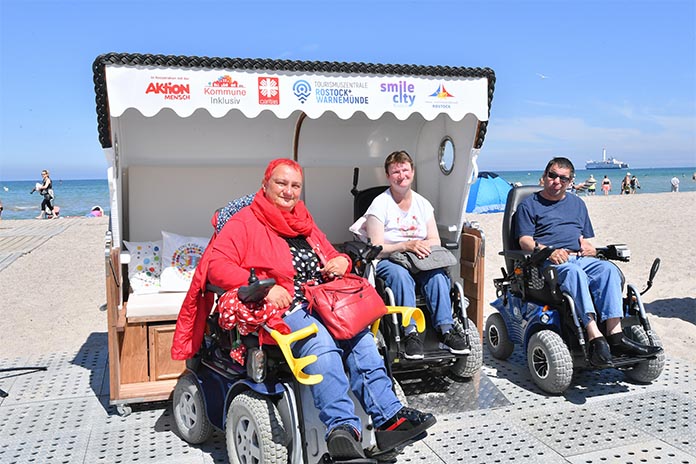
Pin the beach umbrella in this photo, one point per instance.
(488, 194)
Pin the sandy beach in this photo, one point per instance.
(53, 298)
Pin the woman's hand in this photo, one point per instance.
(335, 267)
(420, 248)
(279, 297)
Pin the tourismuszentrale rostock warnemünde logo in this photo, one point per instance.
(269, 90)
(441, 98)
(332, 92)
(225, 90)
(169, 87)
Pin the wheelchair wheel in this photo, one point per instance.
(189, 411)
(255, 431)
(650, 369)
(549, 361)
(468, 365)
(497, 337)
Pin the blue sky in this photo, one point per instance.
(572, 77)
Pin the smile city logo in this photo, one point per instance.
(302, 90)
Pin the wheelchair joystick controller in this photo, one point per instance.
(256, 290)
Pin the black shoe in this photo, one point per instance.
(622, 345)
(344, 443)
(455, 343)
(414, 346)
(407, 425)
(600, 355)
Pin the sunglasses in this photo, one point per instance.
(552, 175)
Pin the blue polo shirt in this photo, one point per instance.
(554, 223)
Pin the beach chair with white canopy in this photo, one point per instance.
(183, 135)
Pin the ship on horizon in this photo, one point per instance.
(606, 163)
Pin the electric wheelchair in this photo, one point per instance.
(436, 360)
(264, 404)
(533, 312)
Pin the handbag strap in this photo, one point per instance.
(317, 250)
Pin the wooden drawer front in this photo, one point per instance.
(162, 366)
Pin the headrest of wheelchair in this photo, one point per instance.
(362, 199)
(516, 195)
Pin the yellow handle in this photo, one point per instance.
(408, 313)
(297, 364)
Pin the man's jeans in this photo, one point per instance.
(434, 284)
(369, 381)
(594, 284)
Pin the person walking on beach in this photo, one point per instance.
(606, 185)
(591, 183)
(675, 184)
(45, 188)
(626, 184)
(634, 185)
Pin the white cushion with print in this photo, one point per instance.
(180, 256)
(145, 266)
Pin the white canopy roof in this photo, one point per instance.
(184, 90)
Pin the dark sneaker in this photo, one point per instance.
(343, 443)
(414, 346)
(600, 355)
(455, 343)
(407, 425)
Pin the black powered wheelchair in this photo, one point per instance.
(390, 335)
(264, 404)
(534, 313)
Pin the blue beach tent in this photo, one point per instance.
(488, 194)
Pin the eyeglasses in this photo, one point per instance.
(552, 175)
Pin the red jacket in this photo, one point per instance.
(244, 242)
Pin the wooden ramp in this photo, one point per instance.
(19, 237)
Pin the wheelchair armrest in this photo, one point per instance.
(519, 255)
(219, 291)
(617, 252)
(448, 244)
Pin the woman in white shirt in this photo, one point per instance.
(402, 220)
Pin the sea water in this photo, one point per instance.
(75, 197)
(78, 197)
(653, 180)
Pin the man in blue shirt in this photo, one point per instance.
(553, 218)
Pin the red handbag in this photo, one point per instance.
(346, 305)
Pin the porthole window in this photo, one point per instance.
(446, 156)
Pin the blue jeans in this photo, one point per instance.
(369, 381)
(594, 284)
(434, 284)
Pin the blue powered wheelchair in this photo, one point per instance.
(534, 313)
(264, 406)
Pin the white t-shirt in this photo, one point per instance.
(399, 225)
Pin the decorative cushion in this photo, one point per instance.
(180, 256)
(145, 266)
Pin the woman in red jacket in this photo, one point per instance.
(271, 236)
